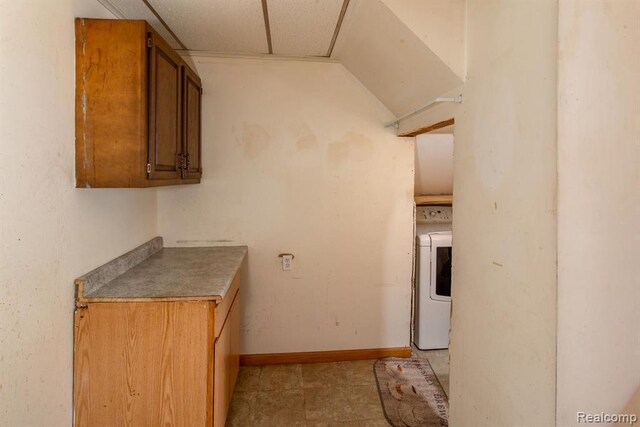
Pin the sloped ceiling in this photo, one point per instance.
(390, 60)
(440, 24)
(386, 44)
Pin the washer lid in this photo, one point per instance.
(424, 240)
(431, 228)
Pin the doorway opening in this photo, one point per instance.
(433, 193)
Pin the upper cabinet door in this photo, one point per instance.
(165, 155)
(191, 124)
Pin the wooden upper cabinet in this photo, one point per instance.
(165, 139)
(137, 108)
(191, 124)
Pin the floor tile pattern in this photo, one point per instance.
(315, 394)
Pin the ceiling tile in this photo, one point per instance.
(216, 25)
(303, 27)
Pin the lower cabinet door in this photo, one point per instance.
(226, 363)
(221, 398)
(142, 364)
(234, 356)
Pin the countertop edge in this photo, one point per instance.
(138, 256)
(213, 298)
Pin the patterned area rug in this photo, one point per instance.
(410, 392)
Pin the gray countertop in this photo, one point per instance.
(166, 274)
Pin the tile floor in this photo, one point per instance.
(316, 394)
(439, 361)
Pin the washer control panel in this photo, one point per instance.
(433, 214)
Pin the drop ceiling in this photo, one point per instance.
(365, 36)
(281, 27)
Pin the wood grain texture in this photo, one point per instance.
(210, 363)
(192, 123)
(323, 356)
(438, 199)
(165, 105)
(234, 347)
(221, 379)
(142, 364)
(111, 103)
(223, 308)
(114, 112)
(430, 128)
(227, 363)
(221, 365)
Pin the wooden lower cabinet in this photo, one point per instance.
(155, 363)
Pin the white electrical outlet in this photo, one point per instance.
(287, 262)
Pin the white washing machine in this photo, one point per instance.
(432, 319)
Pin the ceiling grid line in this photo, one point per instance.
(113, 9)
(157, 15)
(267, 25)
(343, 12)
(287, 28)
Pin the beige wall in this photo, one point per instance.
(296, 160)
(598, 207)
(504, 291)
(49, 232)
(434, 164)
